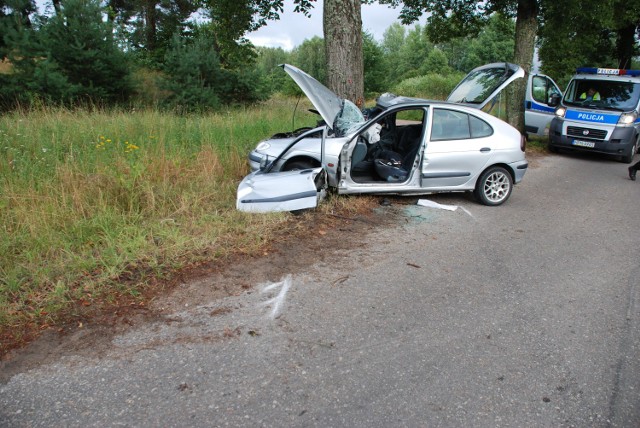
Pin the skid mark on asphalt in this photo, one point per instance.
(276, 302)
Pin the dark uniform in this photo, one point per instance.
(633, 169)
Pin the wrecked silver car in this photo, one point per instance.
(404, 146)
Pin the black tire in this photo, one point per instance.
(628, 156)
(494, 186)
(552, 149)
(299, 165)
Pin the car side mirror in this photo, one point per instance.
(265, 163)
(554, 100)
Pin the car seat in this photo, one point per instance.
(393, 167)
(408, 138)
(358, 156)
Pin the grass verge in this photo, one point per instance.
(96, 206)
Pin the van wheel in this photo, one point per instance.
(628, 157)
(494, 186)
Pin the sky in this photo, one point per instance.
(294, 28)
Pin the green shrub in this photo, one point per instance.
(431, 86)
(195, 80)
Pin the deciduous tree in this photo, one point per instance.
(599, 33)
(342, 26)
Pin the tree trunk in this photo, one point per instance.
(526, 29)
(342, 24)
(624, 45)
(150, 25)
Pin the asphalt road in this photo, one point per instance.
(522, 315)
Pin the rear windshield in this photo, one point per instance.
(479, 85)
(603, 94)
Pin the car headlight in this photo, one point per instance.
(627, 118)
(561, 111)
(263, 146)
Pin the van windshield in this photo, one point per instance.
(603, 94)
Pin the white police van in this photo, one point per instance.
(599, 113)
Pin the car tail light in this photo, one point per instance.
(523, 143)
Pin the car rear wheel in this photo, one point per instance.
(494, 186)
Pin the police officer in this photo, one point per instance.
(590, 95)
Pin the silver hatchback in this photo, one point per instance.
(403, 146)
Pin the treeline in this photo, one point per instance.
(154, 53)
(401, 59)
(80, 52)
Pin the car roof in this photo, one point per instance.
(388, 100)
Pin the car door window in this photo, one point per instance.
(479, 128)
(542, 88)
(456, 125)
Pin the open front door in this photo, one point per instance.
(538, 111)
(265, 191)
(281, 191)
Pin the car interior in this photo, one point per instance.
(388, 155)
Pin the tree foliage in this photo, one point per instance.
(71, 58)
(15, 17)
(601, 33)
(196, 81)
(402, 54)
(375, 66)
(83, 51)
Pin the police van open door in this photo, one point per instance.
(538, 112)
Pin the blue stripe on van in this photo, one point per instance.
(592, 117)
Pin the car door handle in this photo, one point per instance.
(485, 149)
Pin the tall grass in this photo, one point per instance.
(88, 198)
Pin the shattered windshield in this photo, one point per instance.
(349, 119)
(604, 94)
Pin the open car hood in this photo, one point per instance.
(483, 83)
(323, 99)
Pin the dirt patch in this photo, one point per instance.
(312, 237)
